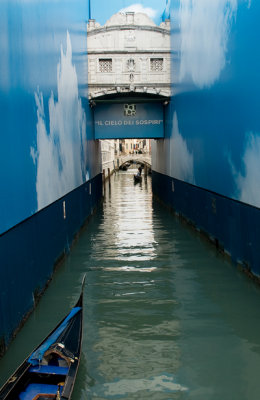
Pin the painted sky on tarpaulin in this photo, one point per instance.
(47, 145)
(61, 152)
(213, 119)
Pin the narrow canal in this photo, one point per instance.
(166, 317)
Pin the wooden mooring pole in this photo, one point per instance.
(145, 170)
(104, 179)
(108, 174)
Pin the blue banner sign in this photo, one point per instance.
(129, 120)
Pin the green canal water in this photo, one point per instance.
(166, 316)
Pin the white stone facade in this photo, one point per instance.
(133, 146)
(108, 153)
(130, 53)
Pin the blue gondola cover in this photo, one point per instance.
(37, 355)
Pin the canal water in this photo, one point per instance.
(166, 316)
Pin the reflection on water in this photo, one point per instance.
(155, 384)
(165, 316)
(127, 224)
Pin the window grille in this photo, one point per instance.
(156, 64)
(105, 65)
(131, 64)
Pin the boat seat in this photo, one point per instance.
(49, 369)
(35, 390)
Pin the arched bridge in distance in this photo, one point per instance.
(143, 159)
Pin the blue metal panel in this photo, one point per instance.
(30, 249)
(120, 121)
(232, 225)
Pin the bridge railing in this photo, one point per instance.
(143, 158)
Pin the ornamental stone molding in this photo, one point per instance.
(130, 53)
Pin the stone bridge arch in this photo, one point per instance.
(142, 159)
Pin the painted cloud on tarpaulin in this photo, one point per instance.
(172, 156)
(61, 150)
(205, 27)
(181, 162)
